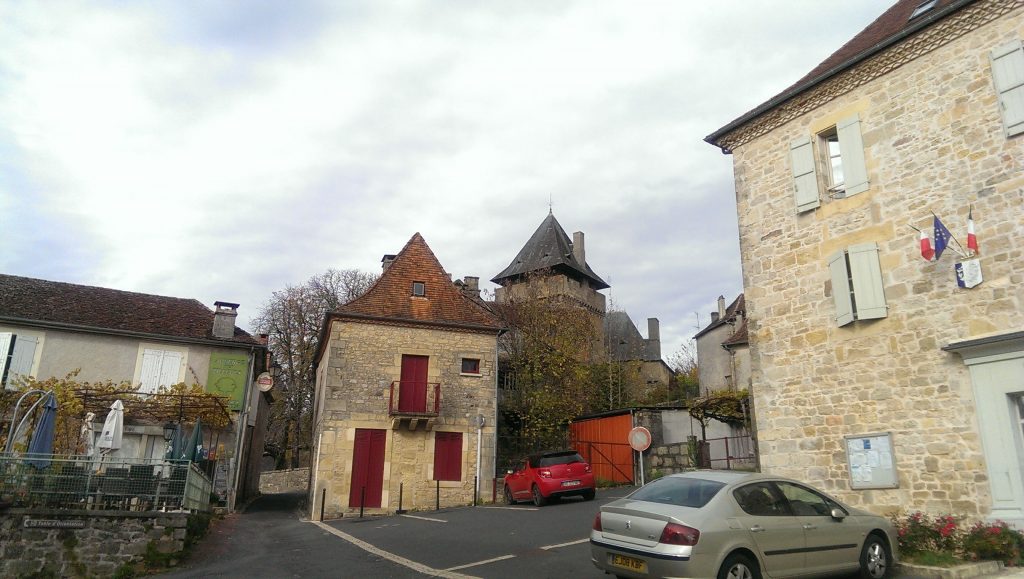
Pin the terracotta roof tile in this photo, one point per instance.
(443, 303)
(58, 303)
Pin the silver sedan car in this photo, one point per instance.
(738, 525)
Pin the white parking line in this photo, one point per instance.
(424, 518)
(391, 556)
(502, 558)
(549, 547)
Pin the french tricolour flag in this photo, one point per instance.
(972, 240)
(926, 246)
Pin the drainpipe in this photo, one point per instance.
(479, 433)
(243, 418)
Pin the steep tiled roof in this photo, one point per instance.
(443, 303)
(29, 300)
(549, 248)
(738, 306)
(889, 28)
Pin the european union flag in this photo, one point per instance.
(942, 236)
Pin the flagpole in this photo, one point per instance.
(962, 252)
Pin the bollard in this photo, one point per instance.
(362, 501)
(400, 510)
(323, 499)
(437, 497)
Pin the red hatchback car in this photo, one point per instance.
(550, 475)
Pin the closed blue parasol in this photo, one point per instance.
(193, 450)
(41, 446)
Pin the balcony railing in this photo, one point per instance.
(414, 399)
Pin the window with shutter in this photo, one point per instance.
(159, 368)
(1008, 76)
(857, 288)
(851, 146)
(448, 456)
(6, 349)
(805, 179)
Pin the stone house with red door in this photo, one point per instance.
(406, 398)
(877, 370)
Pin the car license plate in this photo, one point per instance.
(630, 563)
(571, 483)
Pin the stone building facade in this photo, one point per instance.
(852, 333)
(723, 355)
(406, 394)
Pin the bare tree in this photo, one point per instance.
(292, 319)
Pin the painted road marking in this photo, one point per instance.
(549, 547)
(391, 556)
(424, 518)
(502, 558)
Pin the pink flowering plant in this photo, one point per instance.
(945, 540)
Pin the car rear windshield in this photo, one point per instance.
(561, 458)
(681, 491)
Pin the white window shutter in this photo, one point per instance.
(149, 376)
(867, 281)
(841, 288)
(5, 351)
(851, 148)
(805, 179)
(1008, 76)
(170, 368)
(23, 357)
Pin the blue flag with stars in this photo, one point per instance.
(942, 236)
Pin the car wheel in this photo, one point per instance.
(588, 495)
(875, 558)
(739, 566)
(508, 496)
(538, 499)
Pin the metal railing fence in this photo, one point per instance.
(85, 482)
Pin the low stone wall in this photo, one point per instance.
(668, 458)
(84, 544)
(284, 481)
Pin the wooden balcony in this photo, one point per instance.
(414, 404)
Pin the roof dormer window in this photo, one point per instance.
(419, 288)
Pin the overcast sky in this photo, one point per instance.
(224, 150)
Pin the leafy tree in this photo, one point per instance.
(292, 318)
(684, 363)
(728, 406)
(548, 353)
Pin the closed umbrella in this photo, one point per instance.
(175, 443)
(42, 437)
(113, 428)
(193, 450)
(88, 444)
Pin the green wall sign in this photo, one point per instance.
(227, 377)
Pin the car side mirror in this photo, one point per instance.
(838, 514)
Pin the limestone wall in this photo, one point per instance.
(284, 481)
(361, 363)
(933, 141)
(103, 544)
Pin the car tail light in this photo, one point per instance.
(679, 535)
(597, 523)
(544, 472)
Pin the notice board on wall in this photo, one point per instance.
(870, 460)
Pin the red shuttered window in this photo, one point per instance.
(448, 456)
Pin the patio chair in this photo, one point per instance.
(176, 486)
(114, 487)
(142, 483)
(70, 485)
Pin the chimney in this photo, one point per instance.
(578, 251)
(471, 286)
(721, 307)
(386, 261)
(224, 319)
(714, 317)
(653, 339)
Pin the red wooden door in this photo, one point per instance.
(412, 390)
(367, 468)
